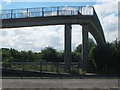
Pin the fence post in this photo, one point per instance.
(57, 68)
(78, 66)
(5, 66)
(23, 66)
(41, 66)
(41, 69)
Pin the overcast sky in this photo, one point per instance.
(37, 38)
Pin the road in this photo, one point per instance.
(60, 83)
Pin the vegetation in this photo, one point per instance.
(101, 58)
(106, 57)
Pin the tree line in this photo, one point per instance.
(101, 58)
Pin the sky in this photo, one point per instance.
(37, 38)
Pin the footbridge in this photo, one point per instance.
(63, 15)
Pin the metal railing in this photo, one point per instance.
(46, 11)
(58, 67)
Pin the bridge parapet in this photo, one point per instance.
(46, 11)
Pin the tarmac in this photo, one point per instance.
(60, 84)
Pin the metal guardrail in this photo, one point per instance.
(46, 11)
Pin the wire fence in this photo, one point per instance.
(57, 67)
(46, 11)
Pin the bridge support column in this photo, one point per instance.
(67, 47)
(85, 46)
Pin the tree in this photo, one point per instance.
(99, 56)
(78, 51)
(79, 48)
(91, 63)
(91, 44)
(60, 56)
(76, 56)
(6, 54)
(14, 53)
(106, 57)
(49, 54)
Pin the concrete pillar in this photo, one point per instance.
(67, 47)
(85, 46)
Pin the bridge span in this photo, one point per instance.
(63, 15)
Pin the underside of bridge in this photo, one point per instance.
(89, 22)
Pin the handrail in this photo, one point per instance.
(45, 11)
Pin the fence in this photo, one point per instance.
(46, 11)
(57, 67)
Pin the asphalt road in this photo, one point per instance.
(60, 83)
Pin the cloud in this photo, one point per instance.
(7, 1)
(111, 36)
(0, 7)
(110, 23)
(107, 0)
(35, 38)
(104, 9)
(66, 10)
(108, 15)
(76, 36)
(53, 1)
(64, 0)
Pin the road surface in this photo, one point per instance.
(61, 83)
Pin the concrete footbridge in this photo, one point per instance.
(62, 15)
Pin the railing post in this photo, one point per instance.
(11, 13)
(5, 64)
(57, 68)
(57, 11)
(27, 13)
(94, 11)
(23, 66)
(42, 12)
(41, 69)
(78, 66)
(81, 9)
